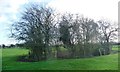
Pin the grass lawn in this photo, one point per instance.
(108, 62)
(116, 47)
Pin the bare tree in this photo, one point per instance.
(66, 33)
(107, 31)
(88, 31)
(35, 28)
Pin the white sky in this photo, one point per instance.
(96, 9)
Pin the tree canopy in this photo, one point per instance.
(41, 28)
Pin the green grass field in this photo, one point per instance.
(9, 57)
(116, 47)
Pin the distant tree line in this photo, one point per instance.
(12, 45)
(48, 34)
(7, 46)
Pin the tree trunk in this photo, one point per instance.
(108, 47)
(84, 53)
(100, 52)
(37, 54)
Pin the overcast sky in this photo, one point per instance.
(96, 9)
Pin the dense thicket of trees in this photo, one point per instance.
(48, 34)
